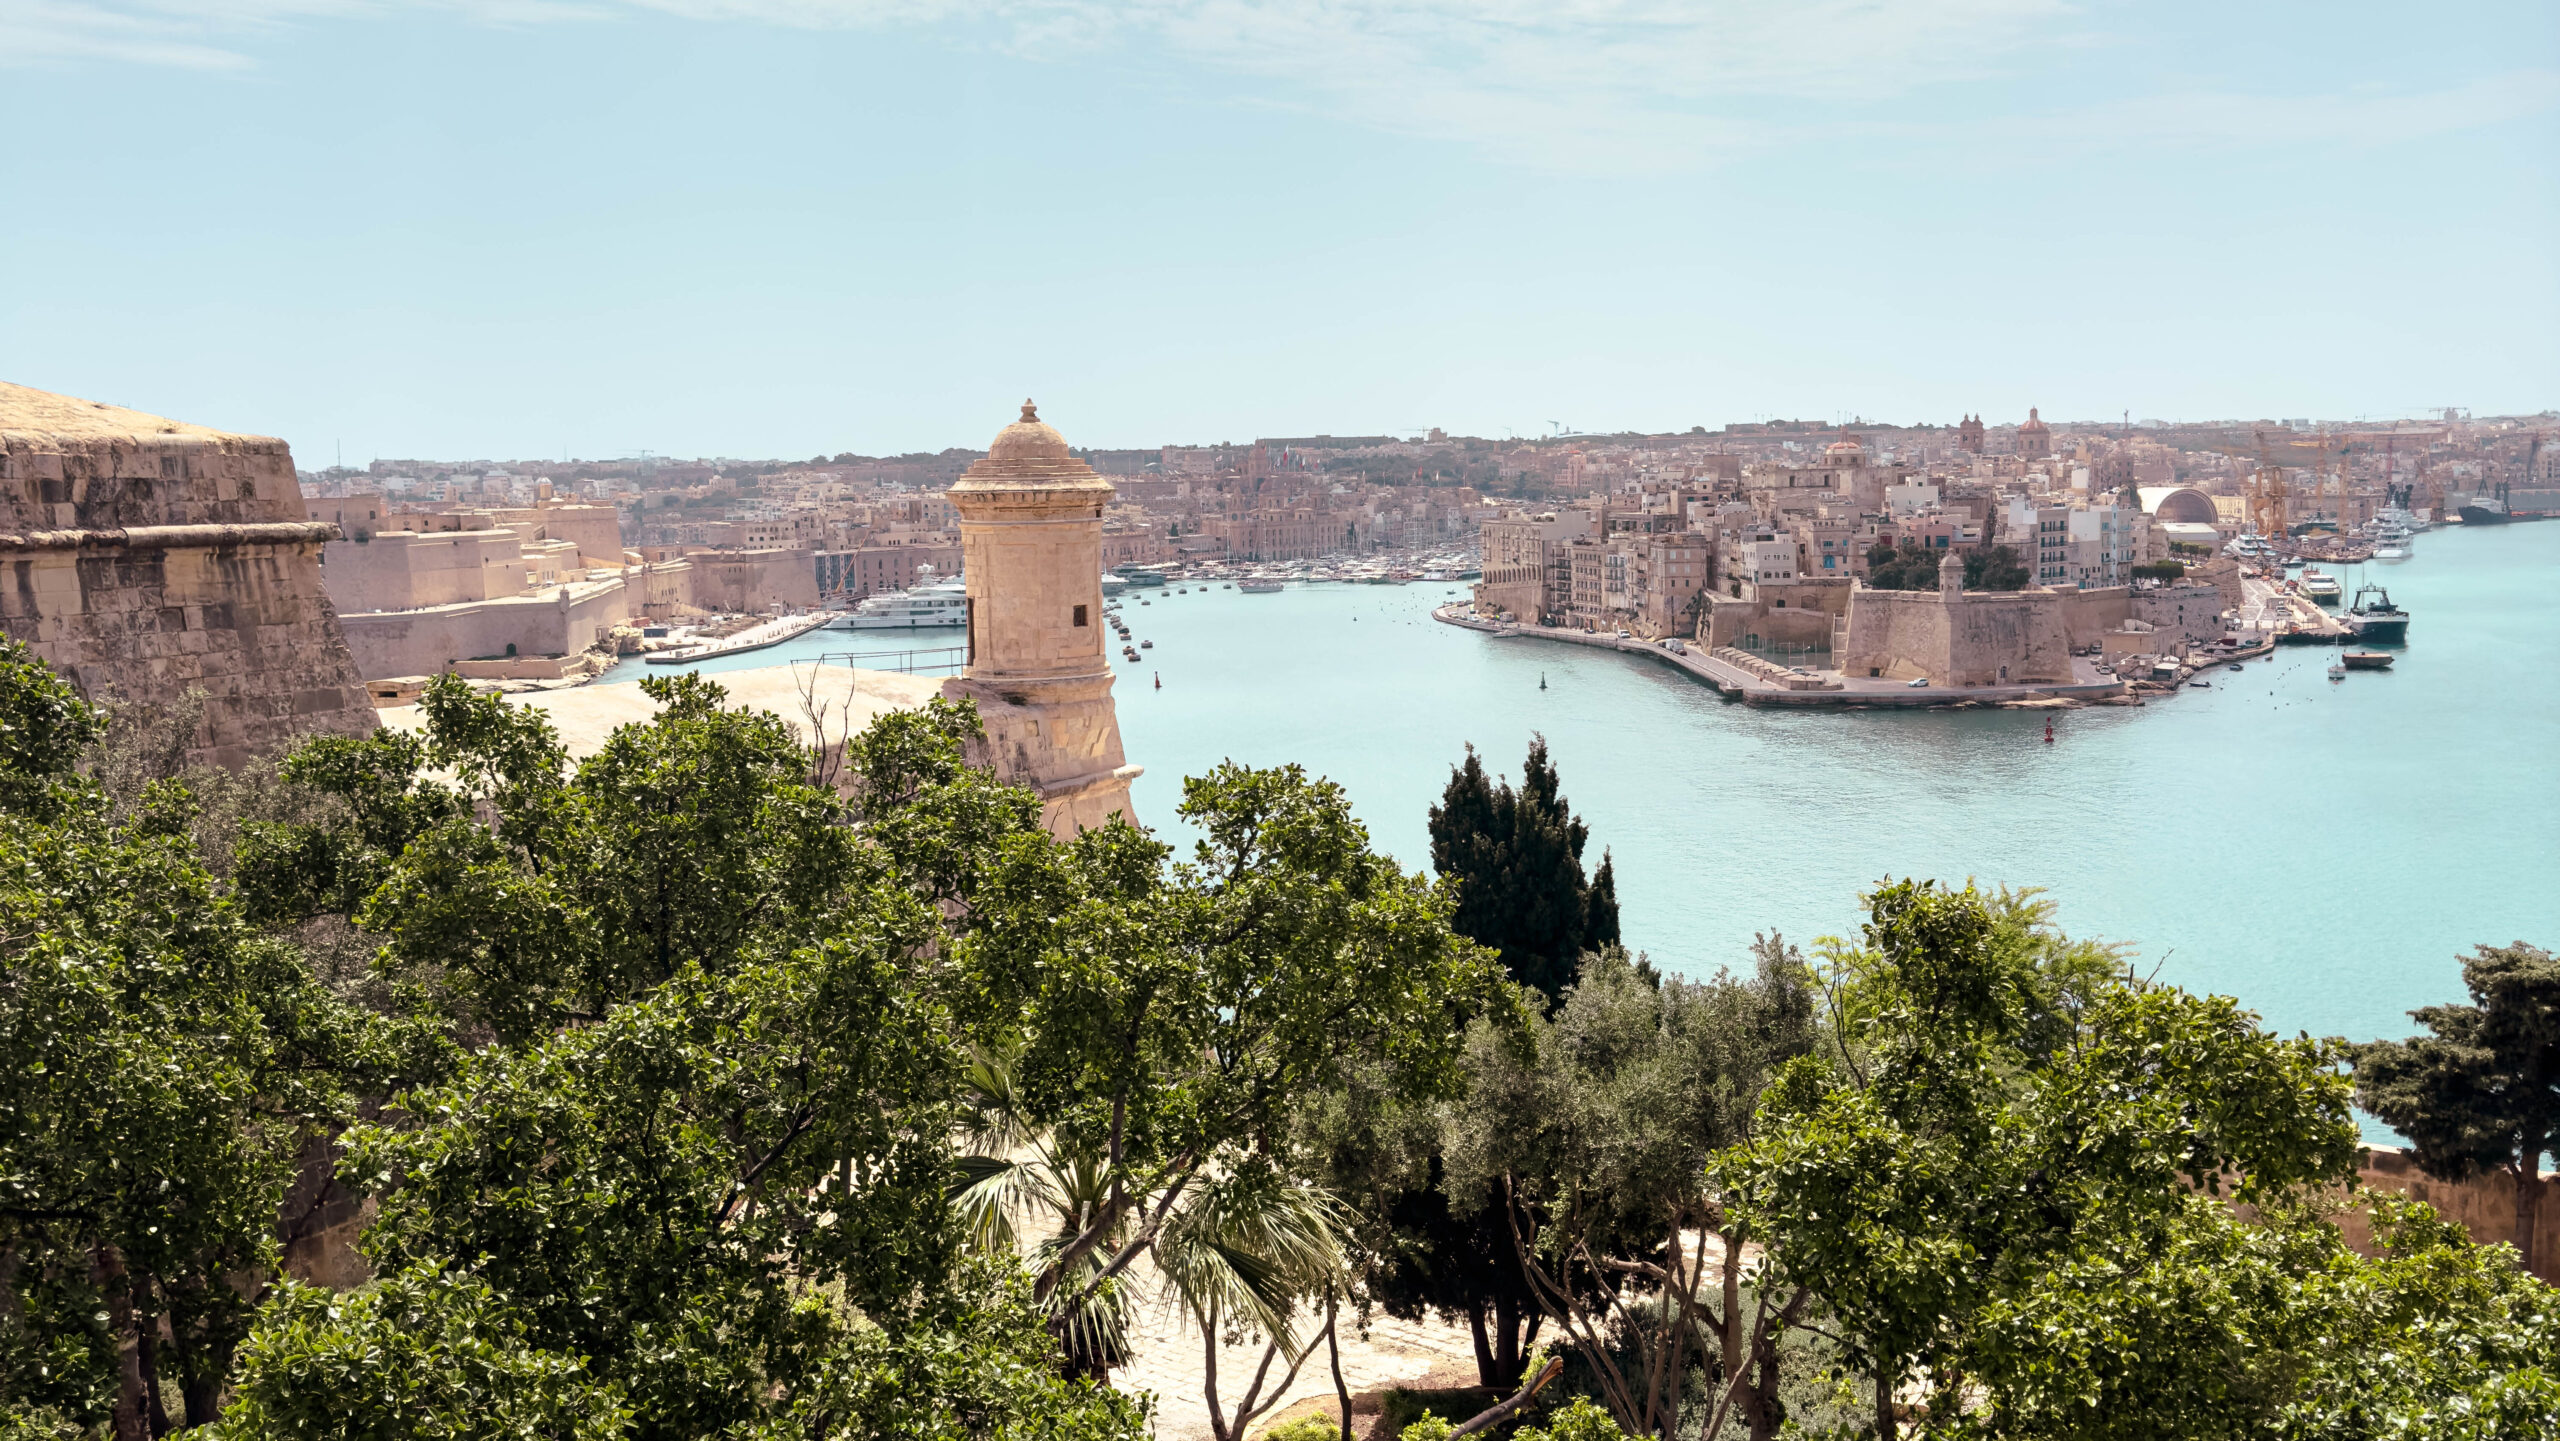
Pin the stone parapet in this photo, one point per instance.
(172, 537)
(143, 558)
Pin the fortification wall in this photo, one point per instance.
(1807, 619)
(1978, 638)
(2485, 1206)
(427, 641)
(141, 557)
(2087, 615)
(1896, 634)
(756, 580)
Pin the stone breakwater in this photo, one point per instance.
(143, 558)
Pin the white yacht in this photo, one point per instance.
(929, 602)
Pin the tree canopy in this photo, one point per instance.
(1514, 859)
(698, 1089)
(2481, 1093)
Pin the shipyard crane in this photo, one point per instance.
(2268, 495)
(2270, 499)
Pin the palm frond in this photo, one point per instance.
(989, 1191)
(1252, 1246)
(999, 1116)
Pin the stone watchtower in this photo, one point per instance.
(1031, 555)
(1951, 576)
(145, 558)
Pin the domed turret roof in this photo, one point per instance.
(1029, 439)
(1030, 452)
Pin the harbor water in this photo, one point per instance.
(2324, 851)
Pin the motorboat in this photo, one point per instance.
(2321, 587)
(927, 604)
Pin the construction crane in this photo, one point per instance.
(2270, 499)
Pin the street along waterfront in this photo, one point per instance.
(2323, 851)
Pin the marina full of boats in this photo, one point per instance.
(935, 601)
(2294, 565)
(942, 602)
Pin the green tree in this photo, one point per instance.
(1995, 568)
(2482, 1093)
(164, 1068)
(423, 1354)
(1186, 1013)
(1910, 566)
(1514, 860)
(724, 1032)
(1591, 1143)
(1996, 1103)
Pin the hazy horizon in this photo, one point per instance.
(767, 228)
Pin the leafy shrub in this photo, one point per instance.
(1306, 1428)
(1579, 1421)
(420, 1355)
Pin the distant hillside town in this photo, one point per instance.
(1761, 530)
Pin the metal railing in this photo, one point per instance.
(946, 660)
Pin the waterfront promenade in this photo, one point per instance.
(1734, 682)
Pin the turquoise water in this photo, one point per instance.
(2325, 852)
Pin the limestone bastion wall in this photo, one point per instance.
(142, 557)
(1978, 638)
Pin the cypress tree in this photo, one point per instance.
(1515, 860)
(1600, 906)
(1514, 857)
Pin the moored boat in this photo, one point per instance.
(2366, 660)
(2374, 620)
(929, 602)
(2321, 587)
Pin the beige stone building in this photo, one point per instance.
(1528, 563)
(146, 557)
(1031, 546)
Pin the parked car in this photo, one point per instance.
(1675, 647)
(1917, 682)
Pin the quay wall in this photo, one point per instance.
(141, 558)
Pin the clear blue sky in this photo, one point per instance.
(781, 227)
